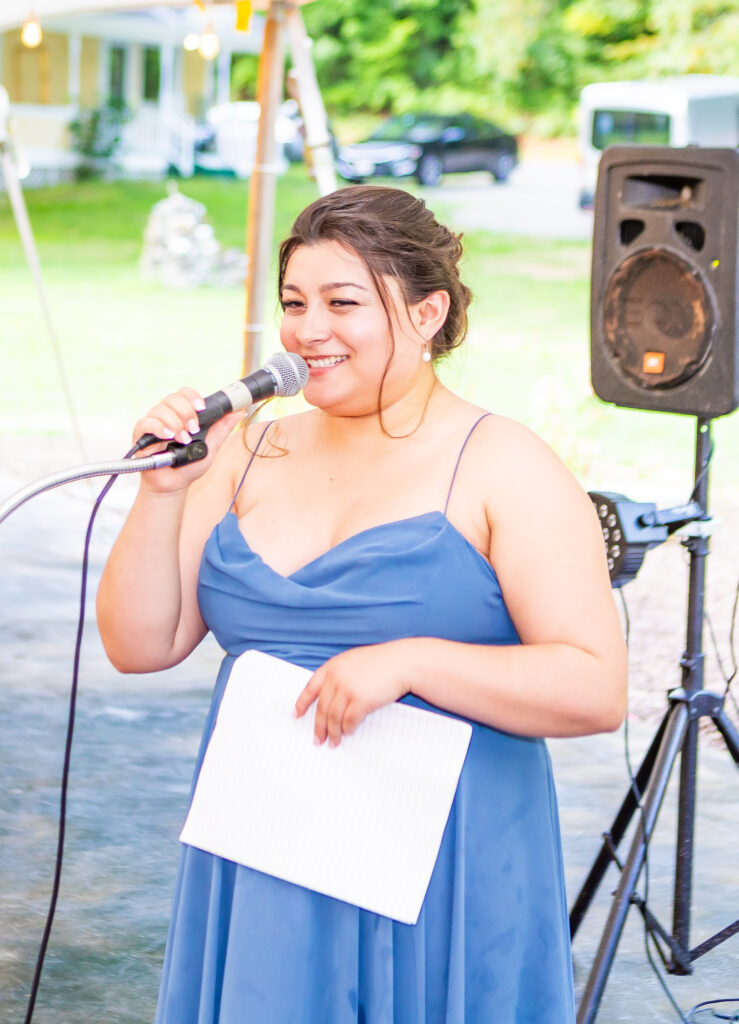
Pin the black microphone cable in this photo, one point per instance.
(187, 453)
(191, 452)
(285, 374)
(68, 746)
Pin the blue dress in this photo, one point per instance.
(491, 945)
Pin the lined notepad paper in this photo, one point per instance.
(361, 822)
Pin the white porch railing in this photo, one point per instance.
(151, 143)
(160, 141)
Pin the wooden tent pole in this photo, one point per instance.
(261, 215)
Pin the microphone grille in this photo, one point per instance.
(290, 371)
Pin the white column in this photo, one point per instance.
(166, 79)
(73, 70)
(103, 71)
(133, 80)
(223, 76)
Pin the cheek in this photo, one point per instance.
(287, 336)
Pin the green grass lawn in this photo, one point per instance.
(125, 340)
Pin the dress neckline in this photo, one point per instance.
(422, 518)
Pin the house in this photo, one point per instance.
(133, 58)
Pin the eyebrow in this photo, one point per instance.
(329, 286)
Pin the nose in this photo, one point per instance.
(312, 325)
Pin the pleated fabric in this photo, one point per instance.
(491, 945)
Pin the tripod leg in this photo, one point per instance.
(317, 138)
(616, 832)
(731, 737)
(684, 844)
(671, 743)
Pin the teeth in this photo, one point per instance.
(326, 361)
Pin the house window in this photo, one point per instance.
(117, 74)
(152, 73)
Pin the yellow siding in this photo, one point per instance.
(193, 78)
(44, 132)
(41, 75)
(89, 72)
(58, 50)
(6, 50)
(38, 75)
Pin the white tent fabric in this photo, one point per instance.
(14, 12)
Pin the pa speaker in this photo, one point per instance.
(664, 326)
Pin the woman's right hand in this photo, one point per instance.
(175, 418)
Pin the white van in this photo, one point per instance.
(688, 110)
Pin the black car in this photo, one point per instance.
(427, 146)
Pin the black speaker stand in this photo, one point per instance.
(677, 736)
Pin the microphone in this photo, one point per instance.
(284, 374)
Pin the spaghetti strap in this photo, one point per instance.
(248, 465)
(459, 457)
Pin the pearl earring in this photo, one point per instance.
(426, 353)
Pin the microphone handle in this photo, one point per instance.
(242, 394)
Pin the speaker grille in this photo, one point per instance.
(659, 319)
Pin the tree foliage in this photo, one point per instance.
(386, 55)
(523, 58)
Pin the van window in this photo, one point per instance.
(611, 127)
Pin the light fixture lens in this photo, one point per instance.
(191, 41)
(209, 45)
(31, 34)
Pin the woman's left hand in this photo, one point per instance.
(351, 685)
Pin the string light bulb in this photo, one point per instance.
(191, 41)
(209, 44)
(31, 34)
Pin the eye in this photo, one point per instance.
(343, 302)
(291, 304)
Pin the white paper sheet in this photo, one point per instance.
(361, 822)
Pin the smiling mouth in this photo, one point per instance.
(325, 361)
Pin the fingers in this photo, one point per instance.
(309, 694)
(174, 418)
(338, 711)
(330, 719)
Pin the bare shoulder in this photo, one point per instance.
(534, 507)
(515, 466)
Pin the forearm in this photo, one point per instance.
(140, 598)
(530, 689)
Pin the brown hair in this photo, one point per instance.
(397, 236)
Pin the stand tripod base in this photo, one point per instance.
(671, 739)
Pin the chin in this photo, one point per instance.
(338, 404)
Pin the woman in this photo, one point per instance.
(402, 544)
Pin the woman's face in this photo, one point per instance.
(334, 318)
